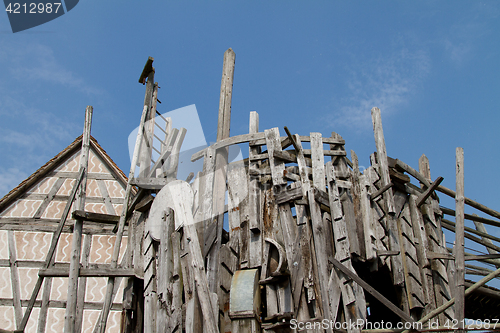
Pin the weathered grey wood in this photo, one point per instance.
(375, 195)
(90, 272)
(459, 240)
(277, 165)
(470, 202)
(472, 217)
(318, 232)
(44, 307)
(82, 284)
(254, 191)
(237, 192)
(233, 140)
(429, 191)
(144, 161)
(352, 295)
(165, 153)
(70, 317)
(382, 158)
(368, 227)
(411, 269)
(14, 279)
(204, 213)
(422, 246)
(485, 237)
(95, 217)
(48, 198)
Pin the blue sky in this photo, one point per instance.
(432, 67)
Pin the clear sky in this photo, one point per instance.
(432, 67)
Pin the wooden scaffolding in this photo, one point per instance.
(293, 238)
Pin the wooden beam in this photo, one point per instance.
(428, 191)
(473, 217)
(70, 318)
(374, 195)
(459, 241)
(470, 202)
(89, 272)
(95, 217)
(148, 67)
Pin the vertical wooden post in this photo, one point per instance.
(221, 156)
(101, 325)
(459, 240)
(74, 269)
(382, 158)
(14, 275)
(147, 138)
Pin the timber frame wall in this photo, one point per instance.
(309, 236)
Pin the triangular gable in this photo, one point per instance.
(26, 199)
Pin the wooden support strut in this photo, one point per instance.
(70, 318)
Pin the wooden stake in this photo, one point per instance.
(459, 241)
(70, 318)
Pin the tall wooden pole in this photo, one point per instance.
(74, 266)
(219, 189)
(459, 241)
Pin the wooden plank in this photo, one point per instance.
(382, 158)
(252, 241)
(95, 217)
(277, 165)
(144, 161)
(70, 318)
(318, 232)
(234, 140)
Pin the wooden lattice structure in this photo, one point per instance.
(295, 233)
